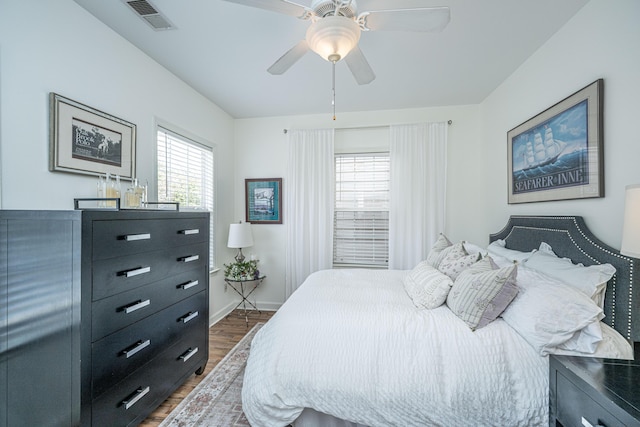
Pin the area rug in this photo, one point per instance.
(216, 400)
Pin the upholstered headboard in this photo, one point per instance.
(569, 237)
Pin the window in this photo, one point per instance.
(361, 218)
(185, 175)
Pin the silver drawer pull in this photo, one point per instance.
(135, 271)
(190, 258)
(133, 399)
(586, 423)
(133, 237)
(187, 355)
(136, 306)
(190, 316)
(190, 231)
(190, 284)
(139, 346)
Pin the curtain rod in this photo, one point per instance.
(449, 122)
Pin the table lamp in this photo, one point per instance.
(631, 225)
(240, 236)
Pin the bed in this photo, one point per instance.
(351, 348)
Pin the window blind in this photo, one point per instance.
(361, 216)
(185, 175)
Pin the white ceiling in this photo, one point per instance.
(223, 50)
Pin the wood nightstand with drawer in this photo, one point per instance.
(585, 391)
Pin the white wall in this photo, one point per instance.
(261, 152)
(56, 46)
(601, 41)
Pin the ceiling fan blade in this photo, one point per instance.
(281, 6)
(288, 59)
(359, 66)
(426, 19)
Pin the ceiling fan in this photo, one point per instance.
(336, 26)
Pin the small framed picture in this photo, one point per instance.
(87, 141)
(558, 154)
(263, 200)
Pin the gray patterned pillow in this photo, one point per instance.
(438, 250)
(426, 286)
(457, 260)
(480, 293)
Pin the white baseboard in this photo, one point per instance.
(220, 314)
(223, 312)
(269, 306)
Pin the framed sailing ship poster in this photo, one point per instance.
(557, 155)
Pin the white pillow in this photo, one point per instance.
(612, 346)
(438, 250)
(591, 280)
(426, 286)
(545, 247)
(498, 248)
(547, 313)
(585, 340)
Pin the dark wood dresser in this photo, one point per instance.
(585, 391)
(130, 292)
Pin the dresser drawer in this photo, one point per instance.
(118, 311)
(115, 275)
(123, 352)
(116, 238)
(137, 395)
(574, 405)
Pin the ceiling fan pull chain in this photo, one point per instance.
(333, 88)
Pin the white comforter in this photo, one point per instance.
(350, 343)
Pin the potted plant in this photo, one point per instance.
(242, 270)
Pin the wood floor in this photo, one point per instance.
(222, 337)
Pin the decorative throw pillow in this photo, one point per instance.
(426, 286)
(480, 293)
(456, 260)
(474, 249)
(436, 253)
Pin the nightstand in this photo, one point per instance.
(243, 288)
(590, 392)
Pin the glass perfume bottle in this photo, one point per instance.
(118, 192)
(141, 194)
(132, 196)
(112, 189)
(101, 190)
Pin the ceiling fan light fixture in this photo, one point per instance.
(333, 35)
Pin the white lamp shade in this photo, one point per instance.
(631, 224)
(240, 236)
(333, 35)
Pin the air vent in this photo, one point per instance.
(150, 14)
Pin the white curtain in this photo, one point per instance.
(418, 155)
(309, 195)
